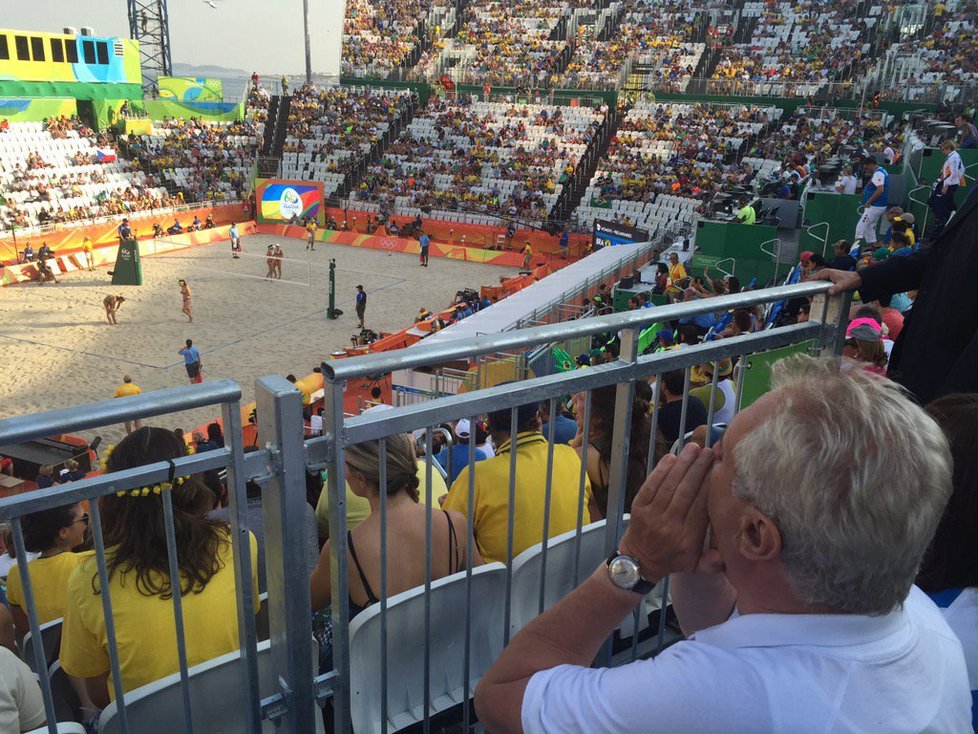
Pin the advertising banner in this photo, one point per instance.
(190, 89)
(289, 201)
(610, 233)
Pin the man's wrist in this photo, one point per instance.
(650, 572)
(627, 598)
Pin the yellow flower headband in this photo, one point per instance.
(149, 489)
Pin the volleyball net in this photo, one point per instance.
(218, 259)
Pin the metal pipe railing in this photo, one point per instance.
(282, 464)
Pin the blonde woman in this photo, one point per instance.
(406, 518)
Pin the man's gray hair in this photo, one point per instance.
(856, 476)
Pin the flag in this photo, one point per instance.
(105, 155)
(562, 360)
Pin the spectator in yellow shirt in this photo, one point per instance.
(87, 252)
(139, 578)
(127, 388)
(311, 229)
(53, 533)
(677, 274)
(490, 512)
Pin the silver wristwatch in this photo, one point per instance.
(625, 573)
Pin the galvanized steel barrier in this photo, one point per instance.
(282, 462)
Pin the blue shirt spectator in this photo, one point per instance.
(564, 430)
(459, 452)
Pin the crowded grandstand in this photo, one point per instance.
(584, 365)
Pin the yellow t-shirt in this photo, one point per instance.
(144, 625)
(87, 245)
(49, 581)
(491, 511)
(126, 389)
(357, 507)
(676, 273)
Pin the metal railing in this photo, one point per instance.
(282, 464)
(624, 372)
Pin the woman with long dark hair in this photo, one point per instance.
(139, 577)
(54, 534)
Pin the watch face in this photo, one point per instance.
(624, 572)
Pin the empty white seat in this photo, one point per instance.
(217, 701)
(406, 645)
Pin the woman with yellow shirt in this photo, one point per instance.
(139, 578)
(54, 534)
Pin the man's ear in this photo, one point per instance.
(760, 537)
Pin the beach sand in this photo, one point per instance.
(57, 349)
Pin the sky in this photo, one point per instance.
(262, 35)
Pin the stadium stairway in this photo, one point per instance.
(273, 142)
(745, 30)
(353, 176)
(570, 197)
(708, 63)
(611, 26)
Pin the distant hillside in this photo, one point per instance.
(207, 70)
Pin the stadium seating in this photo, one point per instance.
(203, 160)
(215, 698)
(51, 639)
(405, 649)
(808, 44)
(381, 36)
(481, 158)
(67, 176)
(667, 159)
(938, 67)
(568, 560)
(332, 130)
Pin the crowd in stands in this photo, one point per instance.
(514, 43)
(204, 160)
(483, 157)
(938, 65)
(811, 43)
(380, 36)
(60, 171)
(666, 151)
(332, 129)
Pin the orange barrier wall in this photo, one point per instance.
(70, 237)
(105, 255)
(478, 235)
(382, 241)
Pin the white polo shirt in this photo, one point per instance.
(763, 673)
(962, 616)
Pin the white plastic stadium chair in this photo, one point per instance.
(216, 698)
(559, 582)
(50, 637)
(406, 643)
(70, 727)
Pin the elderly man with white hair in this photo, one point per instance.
(793, 546)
